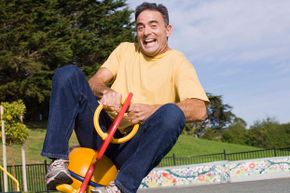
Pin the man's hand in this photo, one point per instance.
(139, 113)
(111, 100)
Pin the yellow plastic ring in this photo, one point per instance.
(105, 135)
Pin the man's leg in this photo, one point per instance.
(152, 142)
(71, 101)
(72, 105)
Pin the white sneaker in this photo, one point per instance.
(111, 188)
(57, 174)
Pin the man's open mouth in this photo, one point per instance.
(149, 41)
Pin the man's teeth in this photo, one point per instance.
(149, 41)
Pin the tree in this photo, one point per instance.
(269, 133)
(236, 132)
(219, 116)
(36, 37)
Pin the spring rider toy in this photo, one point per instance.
(90, 168)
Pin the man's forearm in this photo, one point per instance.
(193, 109)
(98, 88)
(99, 81)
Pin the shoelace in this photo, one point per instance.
(59, 163)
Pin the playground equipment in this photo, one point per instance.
(90, 168)
(11, 177)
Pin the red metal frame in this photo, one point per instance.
(99, 154)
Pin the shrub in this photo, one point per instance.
(16, 131)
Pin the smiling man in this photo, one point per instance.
(153, 31)
(166, 94)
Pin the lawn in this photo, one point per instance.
(190, 146)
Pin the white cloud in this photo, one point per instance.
(230, 30)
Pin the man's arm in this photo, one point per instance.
(193, 109)
(98, 83)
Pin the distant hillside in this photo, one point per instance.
(189, 146)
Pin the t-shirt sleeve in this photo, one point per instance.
(113, 61)
(187, 82)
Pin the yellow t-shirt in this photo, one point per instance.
(166, 78)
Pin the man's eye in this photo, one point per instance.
(140, 28)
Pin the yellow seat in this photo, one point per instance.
(79, 161)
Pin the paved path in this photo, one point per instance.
(263, 186)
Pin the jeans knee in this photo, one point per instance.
(66, 74)
(172, 117)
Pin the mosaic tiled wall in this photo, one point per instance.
(188, 175)
(259, 169)
(218, 172)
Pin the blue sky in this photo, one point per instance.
(240, 49)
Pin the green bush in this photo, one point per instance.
(235, 134)
(16, 131)
(269, 133)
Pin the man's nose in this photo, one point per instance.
(147, 31)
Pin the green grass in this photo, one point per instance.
(189, 150)
(32, 146)
(190, 146)
(185, 146)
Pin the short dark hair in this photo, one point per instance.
(153, 6)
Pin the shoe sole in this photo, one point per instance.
(61, 178)
(102, 190)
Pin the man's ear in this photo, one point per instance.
(168, 30)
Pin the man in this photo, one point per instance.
(166, 94)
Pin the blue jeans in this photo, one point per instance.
(72, 105)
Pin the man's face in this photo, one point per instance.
(152, 33)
